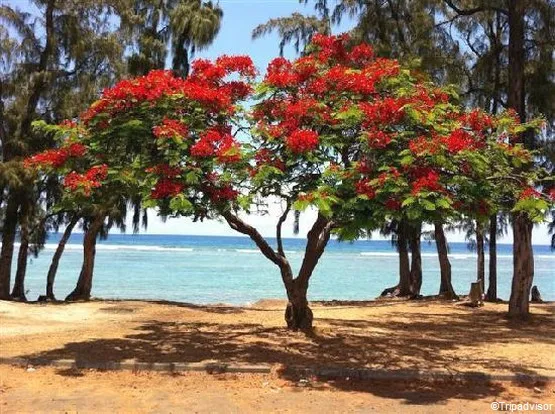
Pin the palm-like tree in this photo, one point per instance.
(177, 27)
(298, 28)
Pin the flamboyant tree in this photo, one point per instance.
(352, 135)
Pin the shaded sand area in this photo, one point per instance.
(49, 390)
(389, 334)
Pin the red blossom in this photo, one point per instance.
(421, 145)
(363, 187)
(170, 128)
(387, 111)
(378, 139)
(529, 192)
(428, 182)
(477, 120)
(87, 181)
(165, 170)
(166, 188)
(229, 150)
(56, 158)
(393, 204)
(280, 73)
(302, 141)
(460, 140)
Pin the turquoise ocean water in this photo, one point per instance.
(213, 269)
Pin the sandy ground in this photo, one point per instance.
(391, 334)
(49, 390)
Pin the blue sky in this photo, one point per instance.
(240, 18)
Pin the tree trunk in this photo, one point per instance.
(84, 284)
(492, 285)
(481, 263)
(416, 260)
(523, 255)
(445, 288)
(8, 239)
(403, 287)
(18, 292)
(57, 256)
(523, 267)
(298, 314)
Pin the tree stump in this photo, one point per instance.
(536, 296)
(476, 294)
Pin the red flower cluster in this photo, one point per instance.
(55, 158)
(242, 65)
(302, 141)
(378, 139)
(423, 145)
(363, 187)
(170, 128)
(387, 111)
(165, 170)
(477, 120)
(87, 181)
(166, 187)
(280, 73)
(460, 140)
(428, 182)
(229, 150)
(529, 192)
(222, 194)
(206, 85)
(217, 142)
(392, 204)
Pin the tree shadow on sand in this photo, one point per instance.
(424, 342)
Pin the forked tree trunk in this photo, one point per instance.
(8, 240)
(57, 256)
(298, 314)
(18, 292)
(492, 282)
(523, 267)
(416, 260)
(480, 263)
(445, 288)
(84, 284)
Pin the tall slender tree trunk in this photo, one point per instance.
(18, 292)
(8, 240)
(523, 255)
(404, 263)
(523, 267)
(480, 263)
(492, 282)
(84, 284)
(416, 260)
(445, 288)
(57, 256)
(403, 287)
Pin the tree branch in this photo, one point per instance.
(240, 226)
(279, 225)
(317, 239)
(474, 10)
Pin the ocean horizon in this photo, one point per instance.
(230, 269)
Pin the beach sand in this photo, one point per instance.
(386, 334)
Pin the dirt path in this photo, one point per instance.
(49, 390)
